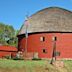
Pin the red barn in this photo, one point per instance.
(49, 34)
(7, 51)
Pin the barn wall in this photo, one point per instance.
(5, 53)
(63, 44)
(8, 51)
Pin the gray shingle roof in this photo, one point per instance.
(48, 20)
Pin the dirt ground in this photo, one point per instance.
(34, 69)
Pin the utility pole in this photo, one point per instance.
(54, 50)
(26, 35)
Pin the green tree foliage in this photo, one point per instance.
(8, 35)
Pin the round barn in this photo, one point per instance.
(47, 33)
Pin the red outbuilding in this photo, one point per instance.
(7, 51)
(47, 34)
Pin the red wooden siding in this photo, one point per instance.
(63, 44)
(7, 50)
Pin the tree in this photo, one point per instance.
(8, 35)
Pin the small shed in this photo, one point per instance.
(7, 51)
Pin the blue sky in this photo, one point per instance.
(13, 12)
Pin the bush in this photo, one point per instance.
(36, 59)
(16, 58)
(7, 57)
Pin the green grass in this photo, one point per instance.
(32, 66)
(68, 65)
(19, 63)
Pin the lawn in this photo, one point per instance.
(32, 66)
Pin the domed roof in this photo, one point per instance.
(49, 19)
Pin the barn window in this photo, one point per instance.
(57, 53)
(42, 39)
(44, 51)
(54, 38)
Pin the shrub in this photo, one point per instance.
(36, 59)
(7, 57)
